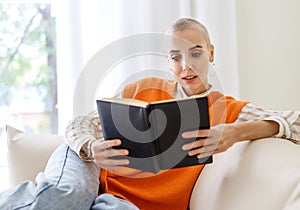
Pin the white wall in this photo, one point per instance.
(268, 34)
(219, 18)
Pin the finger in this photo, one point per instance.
(113, 143)
(113, 162)
(204, 155)
(194, 144)
(196, 133)
(114, 152)
(106, 144)
(198, 143)
(108, 153)
(108, 163)
(208, 149)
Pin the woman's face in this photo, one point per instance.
(189, 55)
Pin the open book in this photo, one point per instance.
(152, 131)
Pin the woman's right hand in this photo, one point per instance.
(103, 154)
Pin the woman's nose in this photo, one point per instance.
(185, 66)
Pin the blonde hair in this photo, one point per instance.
(189, 23)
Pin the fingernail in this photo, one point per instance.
(184, 135)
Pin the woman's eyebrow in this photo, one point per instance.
(174, 51)
(196, 46)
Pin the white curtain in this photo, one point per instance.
(85, 29)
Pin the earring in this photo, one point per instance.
(212, 69)
(170, 77)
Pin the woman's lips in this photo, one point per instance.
(189, 78)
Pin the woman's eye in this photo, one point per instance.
(176, 58)
(196, 55)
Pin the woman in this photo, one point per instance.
(74, 183)
(189, 54)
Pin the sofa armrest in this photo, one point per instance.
(258, 175)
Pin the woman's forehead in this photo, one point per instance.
(187, 39)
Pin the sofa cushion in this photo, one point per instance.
(263, 174)
(28, 154)
(260, 175)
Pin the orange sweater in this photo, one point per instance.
(170, 189)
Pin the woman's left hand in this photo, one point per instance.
(211, 141)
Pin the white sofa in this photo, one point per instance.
(261, 175)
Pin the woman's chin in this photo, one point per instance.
(193, 89)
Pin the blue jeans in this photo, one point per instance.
(67, 183)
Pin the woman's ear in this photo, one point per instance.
(168, 59)
(211, 53)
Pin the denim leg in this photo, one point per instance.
(110, 202)
(67, 183)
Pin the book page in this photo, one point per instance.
(127, 101)
(180, 99)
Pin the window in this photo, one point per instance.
(28, 67)
(28, 82)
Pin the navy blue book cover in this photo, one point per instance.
(152, 132)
